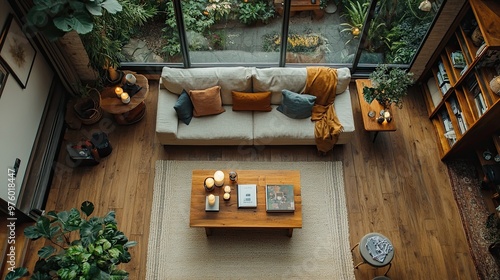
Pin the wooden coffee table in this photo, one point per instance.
(230, 216)
(370, 123)
(126, 113)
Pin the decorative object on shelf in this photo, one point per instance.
(118, 91)
(425, 6)
(389, 86)
(495, 84)
(233, 176)
(209, 184)
(487, 155)
(497, 158)
(17, 51)
(477, 37)
(458, 60)
(219, 178)
(125, 98)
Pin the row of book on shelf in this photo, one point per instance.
(279, 198)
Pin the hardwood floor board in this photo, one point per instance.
(121, 179)
(136, 265)
(138, 196)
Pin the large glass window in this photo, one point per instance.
(339, 32)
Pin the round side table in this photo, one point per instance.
(126, 113)
(367, 258)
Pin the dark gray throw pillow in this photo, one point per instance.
(296, 106)
(184, 108)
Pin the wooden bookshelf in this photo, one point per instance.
(459, 100)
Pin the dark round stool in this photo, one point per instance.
(368, 259)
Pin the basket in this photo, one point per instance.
(88, 109)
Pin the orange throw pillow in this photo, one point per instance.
(251, 101)
(206, 101)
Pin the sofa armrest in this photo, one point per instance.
(166, 117)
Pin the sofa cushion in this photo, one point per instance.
(184, 108)
(230, 128)
(228, 78)
(274, 128)
(206, 101)
(296, 106)
(251, 101)
(277, 79)
(343, 79)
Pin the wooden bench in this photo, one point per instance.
(299, 6)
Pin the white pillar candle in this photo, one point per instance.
(118, 92)
(387, 114)
(211, 200)
(219, 178)
(227, 196)
(125, 98)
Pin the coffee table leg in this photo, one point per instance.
(290, 232)
(208, 231)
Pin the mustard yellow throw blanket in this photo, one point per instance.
(322, 83)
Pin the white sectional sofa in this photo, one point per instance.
(244, 127)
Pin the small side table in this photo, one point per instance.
(126, 113)
(370, 123)
(367, 258)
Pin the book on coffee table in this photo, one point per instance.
(280, 198)
(247, 195)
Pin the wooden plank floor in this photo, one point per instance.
(397, 186)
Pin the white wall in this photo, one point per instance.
(20, 114)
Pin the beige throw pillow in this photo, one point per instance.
(206, 101)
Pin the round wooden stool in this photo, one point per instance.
(368, 259)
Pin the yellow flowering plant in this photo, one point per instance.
(295, 42)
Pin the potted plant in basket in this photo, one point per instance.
(95, 255)
(388, 86)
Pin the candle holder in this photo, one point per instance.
(209, 184)
(118, 92)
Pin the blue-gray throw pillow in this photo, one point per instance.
(296, 106)
(184, 108)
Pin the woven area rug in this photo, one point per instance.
(319, 250)
(473, 211)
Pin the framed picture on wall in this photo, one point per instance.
(16, 51)
(3, 78)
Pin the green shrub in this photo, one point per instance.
(251, 12)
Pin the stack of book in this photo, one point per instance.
(475, 90)
(457, 111)
(443, 80)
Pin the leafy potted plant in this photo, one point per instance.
(95, 255)
(388, 86)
